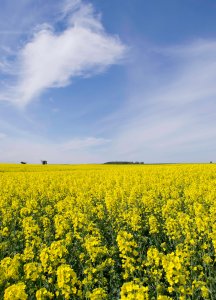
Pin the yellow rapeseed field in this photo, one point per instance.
(107, 232)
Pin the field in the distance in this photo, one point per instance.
(107, 232)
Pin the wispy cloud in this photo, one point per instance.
(170, 112)
(79, 150)
(53, 57)
(84, 143)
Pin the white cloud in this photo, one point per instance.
(52, 58)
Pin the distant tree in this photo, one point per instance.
(44, 162)
(210, 162)
(23, 162)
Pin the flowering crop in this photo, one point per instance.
(107, 232)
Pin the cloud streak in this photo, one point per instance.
(2, 135)
(53, 57)
(84, 143)
(174, 117)
(79, 150)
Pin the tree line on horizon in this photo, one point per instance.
(124, 163)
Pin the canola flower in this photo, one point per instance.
(108, 232)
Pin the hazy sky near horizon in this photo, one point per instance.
(94, 81)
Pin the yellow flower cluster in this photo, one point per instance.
(133, 291)
(108, 232)
(16, 292)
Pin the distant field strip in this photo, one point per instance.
(107, 232)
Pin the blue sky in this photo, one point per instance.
(94, 81)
